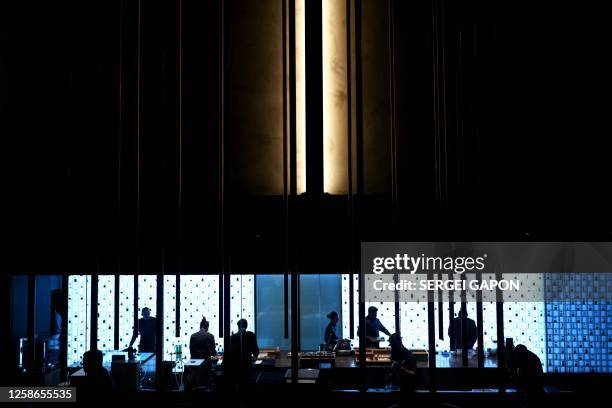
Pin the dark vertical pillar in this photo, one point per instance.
(464, 333)
(135, 315)
(64, 333)
(441, 312)
(480, 324)
(350, 162)
(292, 196)
(159, 329)
(116, 314)
(501, 343)
(31, 349)
(221, 306)
(451, 318)
(177, 306)
(286, 168)
(431, 326)
(360, 189)
(314, 96)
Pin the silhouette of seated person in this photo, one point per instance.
(202, 346)
(403, 364)
(243, 352)
(97, 383)
(528, 373)
(472, 332)
(331, 335)
(373, 327)
(147, 330)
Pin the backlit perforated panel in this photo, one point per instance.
(169, 315)
(126, 309)
(79, 297)
(242, 302)
(106, 312)
(147, 293)
(386, 311)
(199, 298)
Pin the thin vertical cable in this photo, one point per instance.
(177, 310)
(138, 118)
(392, 111)
(285, 172)
(393, 142)
(444, 117)
(119, 163)
(221, 198)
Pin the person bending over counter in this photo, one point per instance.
(404, 364)
(373, 328)
(146, 328)
(331, 335)
(472, 333)
(202, 343)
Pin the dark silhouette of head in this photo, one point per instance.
(461, 313)
(204, 324)
(395, 340)
(146, 312)
(92, 361)
(520, 355)
(333, 317)
(242, 324)
(372, 311)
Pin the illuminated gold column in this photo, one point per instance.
(335, 98)
(300, 95)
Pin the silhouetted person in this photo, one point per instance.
(147, 329)
(202, 343)
(331, 335)
(243, 352)
(404, 365)
(373, 328)
(529, 375)
(54, 343)
(472, 332)
(97, 384)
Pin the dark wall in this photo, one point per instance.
(101, 177)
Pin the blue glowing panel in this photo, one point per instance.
(579, 334)
(199, 298)
(106, 312)
(242, 302)
(169, 315)
(126, 310)
(79, 298)
(319, 295)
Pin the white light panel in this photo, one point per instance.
(79, 297)
(106, 312)
(126, 310)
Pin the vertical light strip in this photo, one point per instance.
(335, 98)
(106, 312)
(300, 95)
